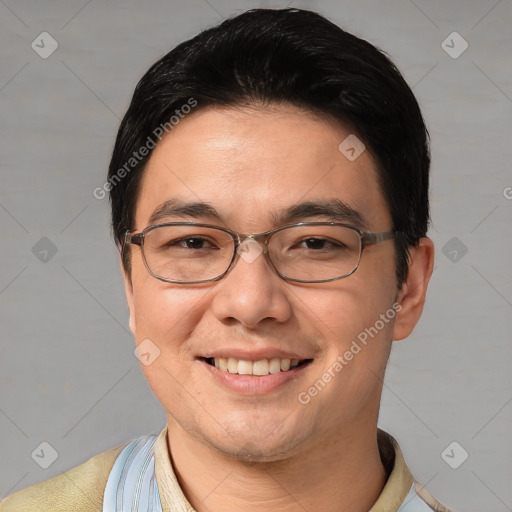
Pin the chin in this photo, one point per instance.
(259, 443)
(252, 451)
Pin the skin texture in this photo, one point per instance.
(270, 452)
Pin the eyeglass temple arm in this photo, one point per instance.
(130, 238)
(375, 238)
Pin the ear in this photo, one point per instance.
(128, 288)
(411, 296)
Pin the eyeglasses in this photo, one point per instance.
(306, 252)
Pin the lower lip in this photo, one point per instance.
(253, 384)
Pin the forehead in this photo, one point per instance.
(251, 163)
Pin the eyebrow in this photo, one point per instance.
(331, 209)
(177, 208)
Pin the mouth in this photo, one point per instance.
(259, 368)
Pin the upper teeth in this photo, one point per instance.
(261, 367)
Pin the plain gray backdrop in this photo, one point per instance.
(68, 374)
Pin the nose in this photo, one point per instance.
(252, 291)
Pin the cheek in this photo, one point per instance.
(166, 315)
(355, 346)
(341, 311)
(347, 324)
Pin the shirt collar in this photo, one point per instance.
(399, 480)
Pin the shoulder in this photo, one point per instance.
(79, 489)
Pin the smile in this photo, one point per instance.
(259, 368)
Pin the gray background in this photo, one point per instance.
(68, 375)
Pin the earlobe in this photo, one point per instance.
(128, 288)
(412, 295)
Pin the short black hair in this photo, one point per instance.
(289, 56)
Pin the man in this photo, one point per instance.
(269, 189)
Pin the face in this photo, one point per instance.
(250, 165)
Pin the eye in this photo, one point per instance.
(315, 243)
(192, 242)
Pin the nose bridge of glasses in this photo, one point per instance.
(260, 238)
(250, 246)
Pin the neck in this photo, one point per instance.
(343, 473)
